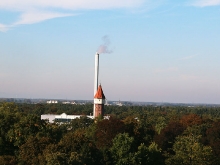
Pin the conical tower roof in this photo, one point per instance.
(99, 94)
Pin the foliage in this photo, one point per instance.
(148, 155)
(121, 149)
(106, 130)
(133, 135)
(213, 138)
(167, 136)
(190, 119)
(189, 151)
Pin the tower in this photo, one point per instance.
(99, 101)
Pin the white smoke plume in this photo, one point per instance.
(104, 47)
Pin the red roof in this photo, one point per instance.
(99, 94)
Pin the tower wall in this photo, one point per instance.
(99, 110)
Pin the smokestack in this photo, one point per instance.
(96, 79)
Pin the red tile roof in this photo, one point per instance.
(99, 94)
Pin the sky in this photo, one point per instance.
(156, 50)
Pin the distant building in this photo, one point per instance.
(64, 118)
(61, 118)
(49, 117)
(119, 103)
(66, 102)
(52, 102)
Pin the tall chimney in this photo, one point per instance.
(96, 77)
(96, 73)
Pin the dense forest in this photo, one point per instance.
(153, 135)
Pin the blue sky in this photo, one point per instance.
(162, 51)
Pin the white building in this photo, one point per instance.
(61, 118)
(49, 117)
(52, 102)
(64, 117)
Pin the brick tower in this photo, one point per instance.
(99, 101)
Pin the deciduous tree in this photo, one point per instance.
(189, 151)
(122, 150)
(106, 130)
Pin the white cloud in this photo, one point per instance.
(3, 28)
(204, 3)
(31, 17)
(69, 4)
(34, 11)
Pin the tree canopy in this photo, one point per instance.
(154, 135)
